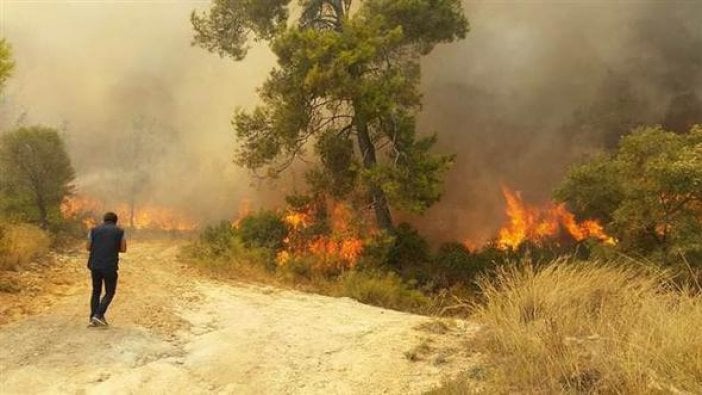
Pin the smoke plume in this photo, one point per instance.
(537, 86)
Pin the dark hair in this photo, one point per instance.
(110, 217)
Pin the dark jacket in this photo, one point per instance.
(105, 241)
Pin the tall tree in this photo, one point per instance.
(35, 174)
(347, 84)
(6, 63)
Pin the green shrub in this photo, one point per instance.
(36, 175)
(229, 256)
(297, 269)
(410, 255)
(265, 229)
(215, 240)
(384, 290)
(453, 264)
(376, 252)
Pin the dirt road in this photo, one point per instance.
(177, 333)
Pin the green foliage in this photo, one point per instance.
(35, 174)
(216, 240)
(265, 229)
(339, 170)
(413, 182)
(220, 249)
(231, 24)
(454, 264)
(424, 23)
(6, 63)
(385, 290)
(592, 189)
(299, 269)
(410, 255)
(347, 84)
(649, 192)
(376, 251)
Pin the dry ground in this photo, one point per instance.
(174, 332)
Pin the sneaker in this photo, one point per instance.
(97, 322)
(92, 324)
(101, 321)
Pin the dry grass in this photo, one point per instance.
(420, 351)
(20, 244)
(589, 328)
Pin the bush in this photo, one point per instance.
(265, 229)
(384, 290)
(298, 269)
(376, 252)
(410, 255)
(589, 328)
(454, 264)
(229, 256)
(21, 243)
(215, 241)
(35, 175)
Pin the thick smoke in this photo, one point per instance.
(145, 114)
(539, 85)
(534, 87)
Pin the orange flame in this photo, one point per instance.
(538, 224)
(244, 210)
(151, 217)
(340, 249)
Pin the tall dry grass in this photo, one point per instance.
(21, 243)
(589, 328)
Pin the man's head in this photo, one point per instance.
(110, 217)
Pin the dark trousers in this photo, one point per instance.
(99, 307)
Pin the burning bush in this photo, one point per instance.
(328, 240)
(540, 224)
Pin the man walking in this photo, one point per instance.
(105, 243)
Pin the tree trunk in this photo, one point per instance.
(43, 214)
(132, 202)
(380, 201)
(131, 213)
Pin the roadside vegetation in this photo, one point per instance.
(35, 176)
(255, 251)
(610, 306)
(21, 243)
(586, 327)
